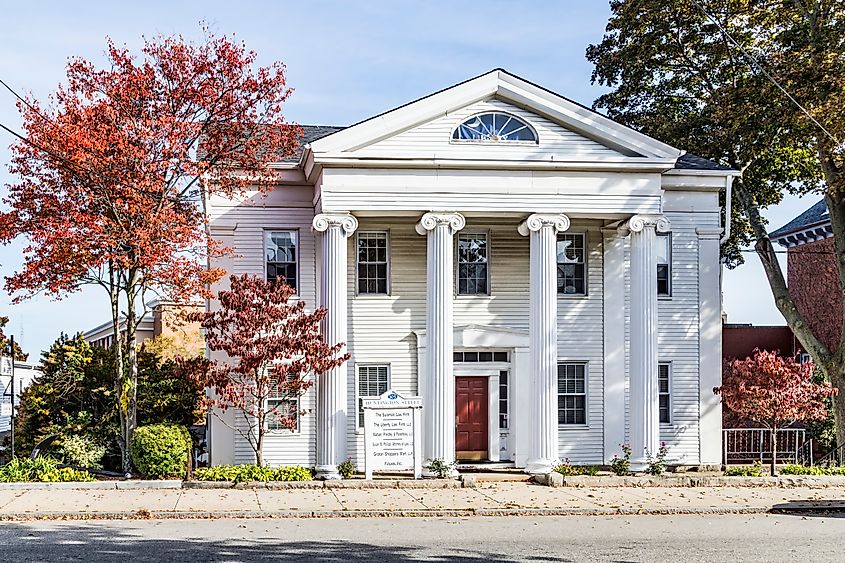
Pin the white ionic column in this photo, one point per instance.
(542, 324)
(644, 393)
(437, 384)
(614, 341)
(331, 386)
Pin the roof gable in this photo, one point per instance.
(500, 85)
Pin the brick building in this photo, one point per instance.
(812, 272)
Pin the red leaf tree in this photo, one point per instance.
(773, 391)
(274, 347)
(115, 169)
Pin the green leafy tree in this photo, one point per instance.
(75, 396)
(710, 76)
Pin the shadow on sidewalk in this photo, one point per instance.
(67, 541)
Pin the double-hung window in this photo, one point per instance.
(503, 399)
(281, 254)
(664, 264)
(373, 381)
(571, 393)
(282, 409)
(372, 263)
(571, 264)
(663, 372)
(473, 264)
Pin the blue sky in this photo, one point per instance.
(346, 60)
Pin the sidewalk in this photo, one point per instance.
(489, 499)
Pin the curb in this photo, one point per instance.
(432, 513)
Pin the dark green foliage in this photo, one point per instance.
(347, 468)
(248, 473)
(76, 396)
(811, 470)
(823, 432)
(160, 450)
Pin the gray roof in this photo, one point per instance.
(311, 133)
(692, 162)
(816, 215)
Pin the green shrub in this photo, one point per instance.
(568, 470)
(347, 469)
(40, 469)
(793, 469)
(247, 473)
(441, 468)
(657, 464)
(83, 451)
(160, 450)
(622, 465)
(755, 470)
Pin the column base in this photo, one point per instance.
(541, 466)
(638, 466)
(327, 473)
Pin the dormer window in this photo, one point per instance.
(494, 127)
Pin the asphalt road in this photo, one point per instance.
(770, 538)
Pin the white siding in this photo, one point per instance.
(433, 139)
(280, 210)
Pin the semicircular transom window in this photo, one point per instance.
(494, 127)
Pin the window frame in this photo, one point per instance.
(297, 400)
(473, 232)
(359, 427)
(463, 120)
(586, 395)
(386, 234)
(668, 393)
(265, 234)
(584, 236)
(668, 295)
(505, 399)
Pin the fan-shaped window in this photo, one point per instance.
(494, 127)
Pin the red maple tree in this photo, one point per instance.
(773, 391)
(115, 170)
(273, 348)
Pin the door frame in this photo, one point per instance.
(490, 370)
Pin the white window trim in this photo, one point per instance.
(671, 407)
(265, 231)
(586, 423)
(472, 232)
(386, 233)
(463, 120)
(585, 235)
(284, 431)
(360, 429)
(667, 296)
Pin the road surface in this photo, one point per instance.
(770, 538)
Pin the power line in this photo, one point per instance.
(759, 66)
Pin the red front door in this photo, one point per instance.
(471, 410)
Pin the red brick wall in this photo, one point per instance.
(814, 285)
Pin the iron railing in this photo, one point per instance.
(746, 445)
(834, 458)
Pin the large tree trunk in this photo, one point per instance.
(119, 376)
(129, 397)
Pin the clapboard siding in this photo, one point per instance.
(250, 223)
(433, 139)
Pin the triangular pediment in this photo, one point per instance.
(423, 129)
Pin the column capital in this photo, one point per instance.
(558, 221)
(660, 223)
(324, 221)
(430, 221)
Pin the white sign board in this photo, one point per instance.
(6, 409)
(392, 434)
(5, 365)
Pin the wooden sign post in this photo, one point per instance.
(392, 434)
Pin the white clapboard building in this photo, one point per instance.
(547, 280)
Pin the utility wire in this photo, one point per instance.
(759, 66)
